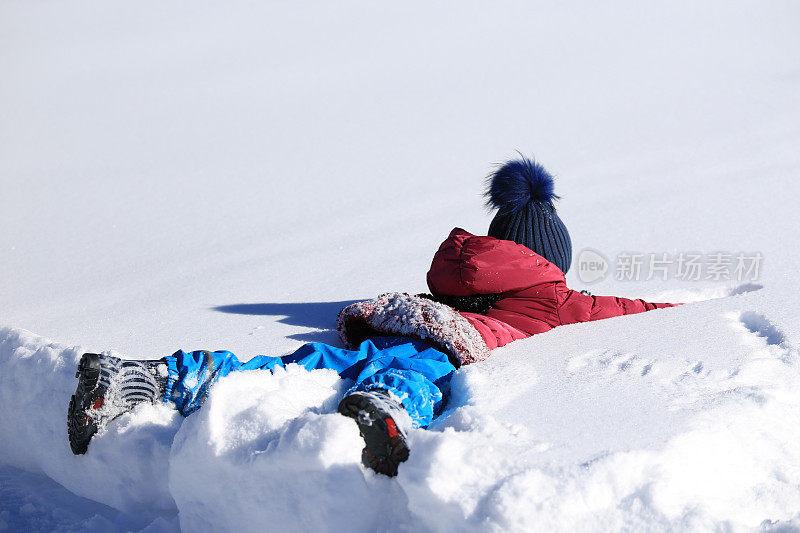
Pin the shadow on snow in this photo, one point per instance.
(317, 315)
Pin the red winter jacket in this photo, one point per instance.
(536, 297)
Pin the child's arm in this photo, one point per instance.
(577, 307)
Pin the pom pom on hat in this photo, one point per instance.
(518, 182)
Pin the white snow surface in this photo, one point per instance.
(192, 176)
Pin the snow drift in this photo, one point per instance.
(270, 449)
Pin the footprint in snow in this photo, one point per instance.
(611, 362)
(760, 326)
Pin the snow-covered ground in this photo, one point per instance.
(190, 176)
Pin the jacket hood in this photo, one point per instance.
(466, 264)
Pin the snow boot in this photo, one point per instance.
(383, 424)
(107, 388)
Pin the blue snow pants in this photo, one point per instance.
(412, 370)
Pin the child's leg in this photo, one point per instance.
(317, 355)
(192, 374)
(412, 371)
(415, 373)
(402, 383)
(109, 386)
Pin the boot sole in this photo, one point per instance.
(80, 427)
(385, 447)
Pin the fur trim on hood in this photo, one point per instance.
(403, 315)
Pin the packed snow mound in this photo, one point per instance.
(269, 448)
(517, 449)
(127, 466)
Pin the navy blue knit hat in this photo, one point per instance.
(522, 192)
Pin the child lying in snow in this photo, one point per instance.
(403, 349)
